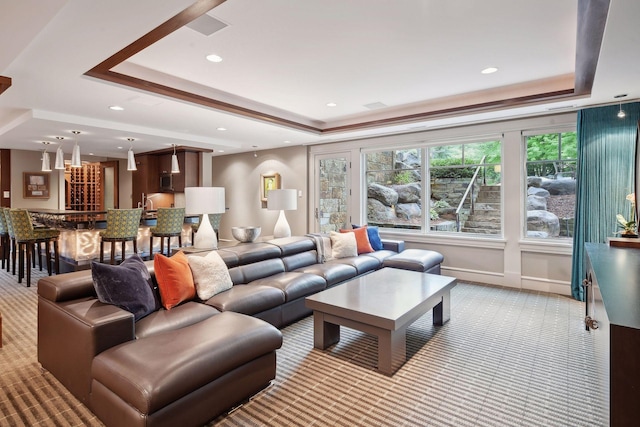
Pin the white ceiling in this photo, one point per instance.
(289, 59)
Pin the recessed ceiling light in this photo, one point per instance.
(287, 142)
(331, 104)
(220, 151)
(489, 70)
(214, 58)
(91, 154)
(119, 148)
(222, 129)
(116, 108)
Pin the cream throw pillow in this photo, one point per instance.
(343, 245)
(210, 275)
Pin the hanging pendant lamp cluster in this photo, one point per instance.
(59, 154)
(131, 161)
(46, 160)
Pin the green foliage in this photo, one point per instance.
(433, 214)
(403, 177)
(560, 149)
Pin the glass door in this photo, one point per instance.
(332, 199)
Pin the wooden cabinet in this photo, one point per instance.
(189, 171)
(146, 179)
(613, 317)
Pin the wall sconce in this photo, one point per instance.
(175, 167)
(75, 155)
(46, 161)
(131, 161)
(59, 154)
(621, 113)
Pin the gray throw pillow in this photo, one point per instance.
(127, 286)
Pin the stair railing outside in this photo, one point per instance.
(469, 191)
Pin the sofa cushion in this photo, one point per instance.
(343, 245)
(362, 240)
(244, 274)
(248, 253)
(210, 275)
(169, 320)
(127, 286)
(417, 260)
(374, 236)
(293, 284)
(150, 380)
(363, 264)
(248, 299)
(332, 272)
(294, 244)
(174, 278)
(381, 255)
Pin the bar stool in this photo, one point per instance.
(27, 239)
(5, 240)
(170, 222)
(122, 226)
(214, 219)
(12, 243)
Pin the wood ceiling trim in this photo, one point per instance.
(5, 83)
(591, 18)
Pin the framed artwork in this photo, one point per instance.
(35, 185)
(268, 181)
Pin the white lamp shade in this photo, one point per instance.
(205, 201)
(46, 162)
(59, 159)
(131, 161)
(175, 167)
(75, 157)
(285, 200)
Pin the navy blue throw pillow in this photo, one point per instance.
(374, 236)
(127, 286)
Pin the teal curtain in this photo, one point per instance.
(605, 175)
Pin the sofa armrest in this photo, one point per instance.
(393, 245)
(72, 333)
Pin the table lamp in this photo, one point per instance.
(282, 200)
(204, 201)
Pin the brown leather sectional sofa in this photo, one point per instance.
(93, 348)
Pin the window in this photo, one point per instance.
(550, 185)
(463, 192)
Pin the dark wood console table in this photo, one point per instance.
(612, 294)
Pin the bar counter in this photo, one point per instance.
(79, 242)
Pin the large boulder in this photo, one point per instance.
(379, 212)
(540, 192)
(408, 211)
(408, 193)
(384, 195)
(543, 221)
(410, 158)
(536, 203)
(534, 181)
(558, 187)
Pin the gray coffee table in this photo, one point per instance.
(383, 303)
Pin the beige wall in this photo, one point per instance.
(30, 161)
(240, 174)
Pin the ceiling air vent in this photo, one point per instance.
(206, 25)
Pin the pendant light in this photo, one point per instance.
(621, 113)
(59, 154)
(75, 155)
(131, 161)
(46, 161)
(175, 167)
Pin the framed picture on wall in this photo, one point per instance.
(35, 185)
(268, 181)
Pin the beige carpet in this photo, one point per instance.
(507, 358)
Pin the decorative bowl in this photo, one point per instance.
(245, 234)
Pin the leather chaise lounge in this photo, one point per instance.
(216, 353)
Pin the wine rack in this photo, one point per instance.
(83, 187)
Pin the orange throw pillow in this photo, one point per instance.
(362, 239)
(174, 278)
